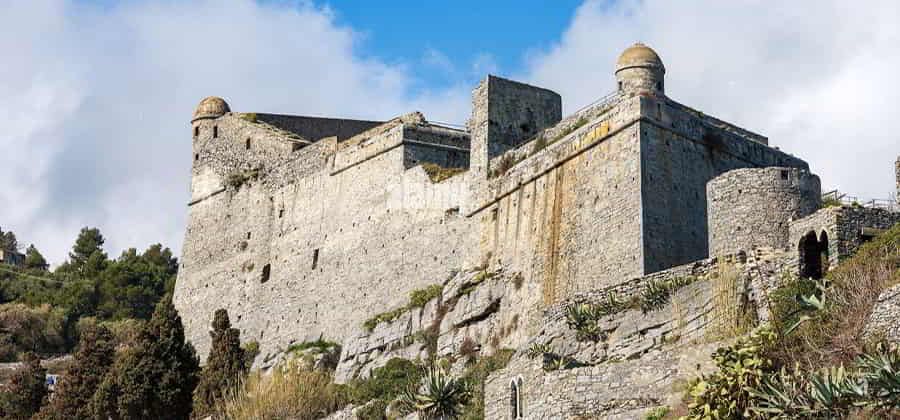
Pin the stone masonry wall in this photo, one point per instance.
(843, 226)
(751, 207)
(295, 251)
(681, 150)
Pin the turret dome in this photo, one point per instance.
(211, 107)
(639, 55)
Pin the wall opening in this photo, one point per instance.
(248, 235)
(247, 144)
(266, 271)
(215, 131)
(784, 175)
(620, 85)
(810, 256)
(315, 262)
(515, 399)
(823, 251)
(196, 157)
(197, 131)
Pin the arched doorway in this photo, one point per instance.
(810, 256)
(823, 251)
(515, 399)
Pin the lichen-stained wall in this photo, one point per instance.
(681, 150)
(568, 217)
(751, 207)
(302, 248)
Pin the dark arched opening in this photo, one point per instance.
(810, 256)
(823, 251)
(513, 400)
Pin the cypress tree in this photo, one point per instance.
(154, 379)
(225, 366)
(72, 397)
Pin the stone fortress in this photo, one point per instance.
(307, 227)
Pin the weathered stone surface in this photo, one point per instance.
(884, 321)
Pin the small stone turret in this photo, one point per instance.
(640, 70)
(210, 107)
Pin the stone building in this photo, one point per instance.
(305, 227)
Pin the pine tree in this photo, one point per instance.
(87, 257)
(26, 392)
(72, 397)
(34, 259)
(154, 379)
(224, 368)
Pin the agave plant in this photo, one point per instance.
(583, 319)
(655, 294)
(881, 371)
(537, 349)
(439, 395)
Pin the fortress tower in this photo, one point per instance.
(304, 227)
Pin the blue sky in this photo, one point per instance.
(443, 41)
(96, 95)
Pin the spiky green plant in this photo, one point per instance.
(537, 349)
(439, 395)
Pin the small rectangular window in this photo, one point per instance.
(196, 156)
(248, 235)
(196, 131)
(315, 259)
(784, 174)
(266, 271)
(247, 145)
(215, 131)
(280, 213)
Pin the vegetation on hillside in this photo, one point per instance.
(40, 310)
(813, 361)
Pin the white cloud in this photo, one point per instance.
(816, 77)
(96, 103)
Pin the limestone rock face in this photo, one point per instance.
(884, 321)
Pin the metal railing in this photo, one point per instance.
(850, 200)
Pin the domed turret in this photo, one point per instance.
(640, 70)
(211, 107)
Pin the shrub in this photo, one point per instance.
(417, 299)
(537, 350)
(248, 116)
(420, 297)
(468, 348)
(30, 329)
(319, 346)
(658, 413)
(438, 173)
(726, 394)
(386, 382)
(288, 392)
(251, 350)
(26, 390)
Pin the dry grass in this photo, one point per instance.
(287, 393)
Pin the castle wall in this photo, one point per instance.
(682, 150)
(505, 114)
(568, 217)
(340, 247)
(751, 207)
(315, 128)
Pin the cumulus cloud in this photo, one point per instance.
(95, 99)
(96, 102)
(816, 77)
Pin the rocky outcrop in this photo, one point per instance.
(884, 321)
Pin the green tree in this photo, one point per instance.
(87, 257)
(156, 377)
(34, 259)
(131, 286)
(72, 397)
(8, 241)
(225, 366)
(26, 392)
